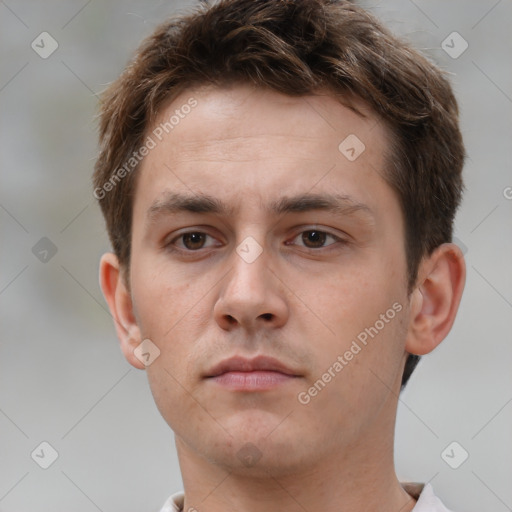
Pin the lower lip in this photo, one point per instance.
(252, 381)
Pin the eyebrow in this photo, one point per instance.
(332, 203)
(199, 203)
(339, 204)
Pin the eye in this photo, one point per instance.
(191, 241)
(316, 239)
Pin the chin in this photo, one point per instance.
(250, 460)
(258, 451)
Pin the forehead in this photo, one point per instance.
(236, 139)
(224, 115)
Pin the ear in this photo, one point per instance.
(118, 297)
(435, 300)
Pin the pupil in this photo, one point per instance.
(193, 240)
(316, 237)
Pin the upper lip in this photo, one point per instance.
(242, 364)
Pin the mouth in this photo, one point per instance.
(258, 374)
(252, 381)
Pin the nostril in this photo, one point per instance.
(267, 316)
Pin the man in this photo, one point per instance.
(279, 181)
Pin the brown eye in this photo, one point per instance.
(314, 239)
(190, 242)
(193, 240)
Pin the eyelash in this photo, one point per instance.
(172, 247)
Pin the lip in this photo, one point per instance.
(259, 363)
(258, 380)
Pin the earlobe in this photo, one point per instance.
(120, 303)
(435, 300)
(128, 347)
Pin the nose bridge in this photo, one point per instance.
(251, 293)
(250, 268)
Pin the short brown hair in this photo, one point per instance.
(295, 47)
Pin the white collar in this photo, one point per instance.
(427, 500)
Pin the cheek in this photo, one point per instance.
(345, 302)
(171, 310)
(161, 299)
(172, 395)
(361, 364)
(166, 313)
(360, 316)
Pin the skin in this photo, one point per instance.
(301, 301)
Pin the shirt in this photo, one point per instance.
(427, 500)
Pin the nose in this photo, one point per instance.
(252, 296)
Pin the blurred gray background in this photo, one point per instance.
(63, 379)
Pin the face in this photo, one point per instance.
(263, 226)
